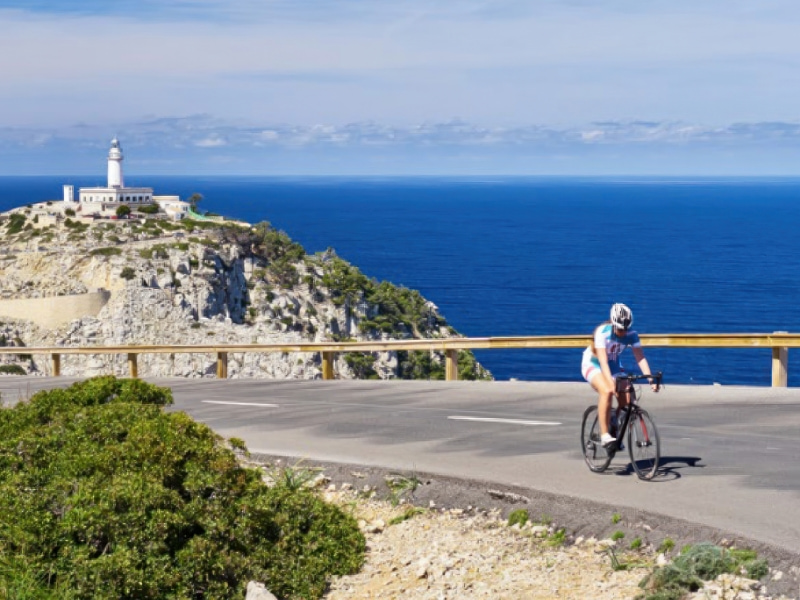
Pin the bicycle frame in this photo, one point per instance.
(632, 407)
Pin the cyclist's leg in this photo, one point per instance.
(623, 392)
(594, 375)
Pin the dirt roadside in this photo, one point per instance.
(581, 518)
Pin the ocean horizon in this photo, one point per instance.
(508, 256)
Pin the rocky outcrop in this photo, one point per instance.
(192, 284)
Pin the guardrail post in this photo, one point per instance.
(780, 366)
(451, 365)
(327, 365)
(133, 367)
(222, 365)
(56, 365)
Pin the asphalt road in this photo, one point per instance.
(730, 455)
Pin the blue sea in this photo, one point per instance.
(540, 256)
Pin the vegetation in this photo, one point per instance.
(127, 273)
(194, 200)
(69, 212)
(518, 517)
(666, 546)
(148, 209)
(76, 227)
(15, 223)
(362, 364)
(123, 210)
(399, 485)
(107, 251)
(12, 370)
(696, 564)
(105, 495)
(154, 251)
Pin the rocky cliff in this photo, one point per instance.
(188, 282)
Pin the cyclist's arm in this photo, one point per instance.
(644, 366)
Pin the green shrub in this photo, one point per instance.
(15, 223)
(12, 370)
(127, 273)
(69, 212)
(666, 546)
(518, 517)
(617, 535)
(105, 495)
(148, 209)
(108, 251)
(699, 563)
(362, 364)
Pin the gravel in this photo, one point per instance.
(435, 537)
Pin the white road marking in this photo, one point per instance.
(509, 421)
(240, 403)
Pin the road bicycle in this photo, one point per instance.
(643, 443)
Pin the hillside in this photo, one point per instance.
(77, 281)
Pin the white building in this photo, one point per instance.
(115, 193)
(175, 208)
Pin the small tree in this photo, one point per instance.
(123, 210)
(194, 199)
(127, 273)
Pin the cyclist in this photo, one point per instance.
(601, 365)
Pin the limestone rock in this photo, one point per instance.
(202, 290)
(258, 591)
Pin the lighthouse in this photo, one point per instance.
(115, 165)
(98, 199)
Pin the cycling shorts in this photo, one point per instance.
(590, 366)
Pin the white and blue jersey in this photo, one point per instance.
(604, 337)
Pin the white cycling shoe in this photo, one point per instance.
(607, 439)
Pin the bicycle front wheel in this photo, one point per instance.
(643, 445)
(596, 456)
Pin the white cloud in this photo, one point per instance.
(409, 61)
(211, 142)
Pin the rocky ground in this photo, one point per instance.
(431, 538)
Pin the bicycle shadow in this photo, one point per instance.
(669, 467)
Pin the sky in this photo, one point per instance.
(407, 87)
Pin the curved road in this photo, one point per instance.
(731, 455)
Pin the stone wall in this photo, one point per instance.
(55, 311)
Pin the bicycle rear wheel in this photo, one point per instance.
(643, 444)
(596, 456)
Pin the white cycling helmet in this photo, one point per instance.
(621, 316)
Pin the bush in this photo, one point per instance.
(105, 495)
(362, 365)
(699, 563)
(148, 209)
(12, 370)
(108, 251)
(518, 517)
(127, 273)
(15, 223)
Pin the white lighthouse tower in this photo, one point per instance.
(115, 165)
(99, 199)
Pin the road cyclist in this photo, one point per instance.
(602, 368)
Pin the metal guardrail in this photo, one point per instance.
(778, 342)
